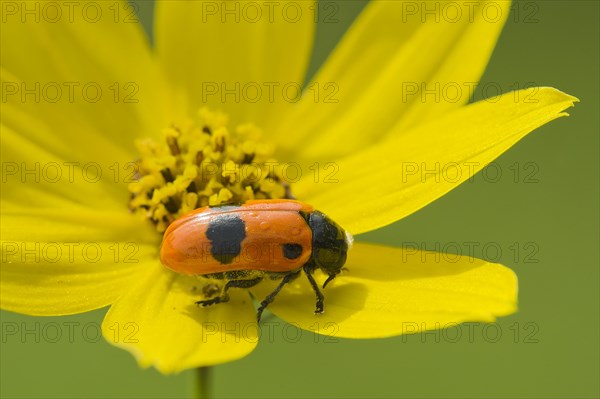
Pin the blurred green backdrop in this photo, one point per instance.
(542, 213)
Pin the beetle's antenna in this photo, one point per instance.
(331, 277)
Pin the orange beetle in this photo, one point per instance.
(243, 243)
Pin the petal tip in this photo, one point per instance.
(565, 96)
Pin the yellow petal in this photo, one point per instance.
(412, 168)
(74, 224)
(249, 49)
(168, 331)
(86, 70)
(391, 291)
(394, 52)
(32, 176)
(51, 278)
(69, 260)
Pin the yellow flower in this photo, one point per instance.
(78, 92)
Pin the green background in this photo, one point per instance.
(550, 209)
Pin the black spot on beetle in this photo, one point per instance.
(292, 251)
(226, 233)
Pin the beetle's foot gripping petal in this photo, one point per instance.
(213, 301)
(199, 163)
(319, 308)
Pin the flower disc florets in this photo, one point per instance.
(199, 163)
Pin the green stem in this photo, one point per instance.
(203, 382)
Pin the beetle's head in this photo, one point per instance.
(330, 243)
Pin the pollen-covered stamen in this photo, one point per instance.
(199, 163)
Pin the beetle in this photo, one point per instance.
(244, 243)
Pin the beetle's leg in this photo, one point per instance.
(308, 271)
(263, 305)
(224, 297)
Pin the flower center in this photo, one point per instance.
(199, 163)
